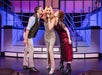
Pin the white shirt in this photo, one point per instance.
(30, 22)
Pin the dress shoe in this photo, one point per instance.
(33, 69)
(25, 67)
(68, 69)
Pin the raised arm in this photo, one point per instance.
(51, 23)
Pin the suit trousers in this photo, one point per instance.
(28, 54)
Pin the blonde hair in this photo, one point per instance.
(51, 14)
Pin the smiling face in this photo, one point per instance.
(48, 11)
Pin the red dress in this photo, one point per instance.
(65, 47)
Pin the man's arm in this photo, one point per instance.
(29, 26)
(26, 37)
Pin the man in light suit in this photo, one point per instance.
(30, 32)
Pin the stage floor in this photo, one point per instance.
(78, 66)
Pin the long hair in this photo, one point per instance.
(51, 13)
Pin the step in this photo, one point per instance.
(78, 38)
(87, 49)
(80, 44)
(40, 52)
(36, 49)
(56, 55)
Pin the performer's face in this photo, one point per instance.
(40, 11)
(48, 11)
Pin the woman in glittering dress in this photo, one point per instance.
(49, 37)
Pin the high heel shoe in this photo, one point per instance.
(68, 69)
(51, 71)
(61, 66)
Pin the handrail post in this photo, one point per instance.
(73, 20)
(6, 15)
(97, 18)
(89, 16)
(13, 13)
(81, 17)
(92, 5)
(3, 4)
(5, 9)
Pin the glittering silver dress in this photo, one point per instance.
(49, 35)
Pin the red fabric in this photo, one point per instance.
(65, 47)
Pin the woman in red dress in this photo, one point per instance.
(65, 42)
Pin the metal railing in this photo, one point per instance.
(8, 8)
(84, 30)
(72, 26)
